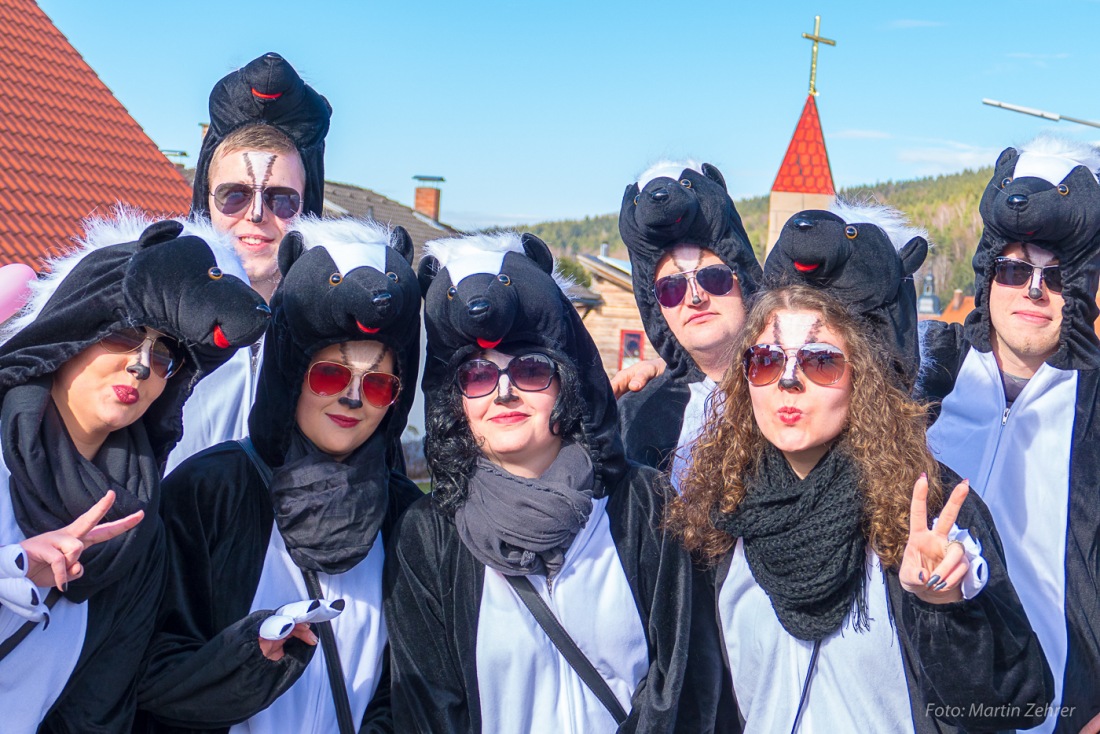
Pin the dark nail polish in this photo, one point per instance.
(933, 581)
(920, 576)
(941, 586)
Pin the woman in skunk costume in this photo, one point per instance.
(534, 508)
(809, 494)
(93, 377)
(299, 510)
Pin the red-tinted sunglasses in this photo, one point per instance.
(326, 379)
(233, 198)
(716, 280)
(823, 364)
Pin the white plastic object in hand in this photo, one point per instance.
(279, 625)
(17, 592)
(978, 574)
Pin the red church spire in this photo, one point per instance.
(805, 168)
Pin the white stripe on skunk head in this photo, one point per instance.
(1051, 158)
(668, 169)
(350, 242)
(891, 221)
(481, 253)
(123, 224)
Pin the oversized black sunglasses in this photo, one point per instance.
(528, 372)
(716, 280)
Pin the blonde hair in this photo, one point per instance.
(884, 436)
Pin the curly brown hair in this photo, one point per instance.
(884, 435)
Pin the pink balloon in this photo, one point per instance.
(15, 280)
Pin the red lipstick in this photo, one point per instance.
(343, 421)
(789, 415)
(126, 395)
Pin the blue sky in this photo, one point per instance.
(535, 110)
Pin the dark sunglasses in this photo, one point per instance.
(1015, 273)
(823, 364)
(165, 355)
(528, 372)
(233, 198)
(326, 379)
(716, 280)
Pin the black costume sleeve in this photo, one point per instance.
(101, 695)
(660, 575)
(942, 351)
(978, 663)
(651, 419)
(428, 690)
(204, 668)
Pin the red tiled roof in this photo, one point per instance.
(67, 146)
(805, 168)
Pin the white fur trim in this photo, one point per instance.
(1051, 158)
(351, 242)
(891, 221)
(668, 169)
(481, 253)
(124, 224)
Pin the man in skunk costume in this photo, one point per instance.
(685, 238)
(261, 165)
(297, 511)
(93, 377)
(1020, 389)
(562, 517)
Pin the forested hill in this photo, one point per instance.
(947, 206)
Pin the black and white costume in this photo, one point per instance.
(1035, 460)
(238, 548)
(78, 673)
(266, 91)
(885, 660)
(669, 205)
(467, 653)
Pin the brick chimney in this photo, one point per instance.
(427, 196)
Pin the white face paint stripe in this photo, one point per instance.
(255, 160)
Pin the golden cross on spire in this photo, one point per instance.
(816, 38)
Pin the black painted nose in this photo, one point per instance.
(381, 299)
(660, 194)
(1017, 202)
(478, 306)
(803, 224)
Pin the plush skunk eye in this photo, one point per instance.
(504, 279)
(1063, 189)
(851, 232)
(335, 279)
(392, 276)
(685, 183)
(636, 198)
(452, 292)
(214, 273)
(1006, 181)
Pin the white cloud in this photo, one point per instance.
(860, 135)
(914, 23)
(468, 221)
(946, 156)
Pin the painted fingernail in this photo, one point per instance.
(920, 576)
(941, 586)
(923, 475)
(933, 581)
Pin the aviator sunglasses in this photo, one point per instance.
(528, 372)
(165, 355)
(716, 280)
(1015, 273)
(326, 379)
(822, 364)
(233, 198)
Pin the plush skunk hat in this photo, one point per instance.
(673, 204)
(267, 91)
(483, 291)
(1045, 193)
(343, 280)
(189, 287)
(865, 256)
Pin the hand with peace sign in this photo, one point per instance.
(53, 556)
(934, 567)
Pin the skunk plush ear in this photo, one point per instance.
(537, 250)
(290, 249)
(159, 232)
(402, 242)
(425, 274)
(714, 175)
(913, 254)
(1007, 155)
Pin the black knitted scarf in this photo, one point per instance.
(804, 542)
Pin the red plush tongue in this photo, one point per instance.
(365, 330)
(261, 95)
(806, 267)
(219, 337)
(486, 344)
